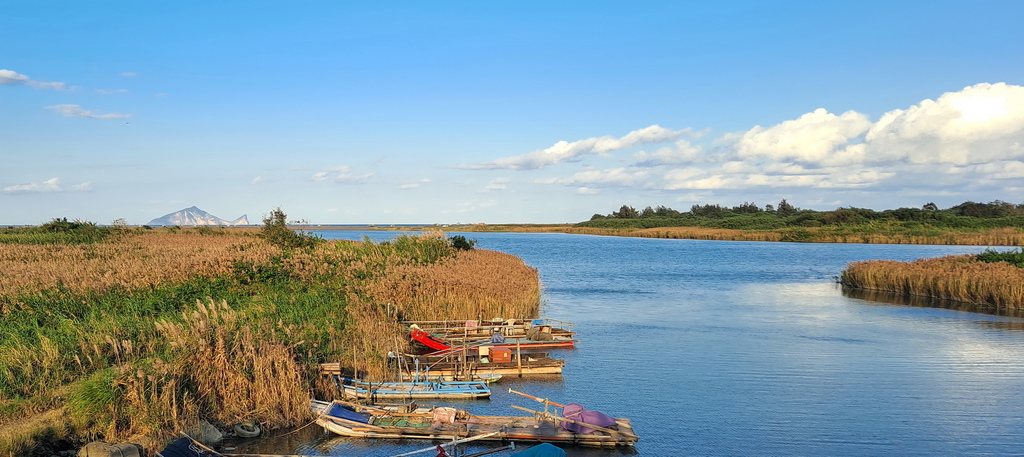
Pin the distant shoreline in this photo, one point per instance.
(1007, 236)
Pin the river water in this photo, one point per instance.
(748, 348)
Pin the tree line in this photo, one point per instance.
(752, 216)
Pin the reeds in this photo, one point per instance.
(132, 262)
(962, 278)
(125, 331)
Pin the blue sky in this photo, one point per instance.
(503, 112)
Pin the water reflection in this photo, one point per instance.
(929, 302)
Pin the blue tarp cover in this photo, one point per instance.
(576, 412)
(340, 411)
(541, 450)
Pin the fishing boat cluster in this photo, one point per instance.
(461, 360)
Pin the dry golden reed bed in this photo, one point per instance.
(123, 373)
(962, 278)
(133, 261)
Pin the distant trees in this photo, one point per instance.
(749, 215)
(626, 212)
(275, 230)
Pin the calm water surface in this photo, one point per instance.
(745, 348)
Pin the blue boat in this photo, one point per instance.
(415, 390)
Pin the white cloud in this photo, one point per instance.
(83, 187)
(77, 111)
(497, 184)
(813, 137)
(979, 124)
(681, 152)
(342, 175)
(257, 181)
(586, 191)
(564, 150)
(50, 185)
(13, 78)
(415, 185)
(614, 177)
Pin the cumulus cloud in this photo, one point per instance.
(563, 150)
(979, 124)
(77, 111)
(13, 78)
(682, 152)
(968, 142)
(814, 137)
(50, 185)
(342, 175)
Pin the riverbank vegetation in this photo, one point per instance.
(132, 334)
(992, 279)
(996, 224)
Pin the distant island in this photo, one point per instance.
(195, 217)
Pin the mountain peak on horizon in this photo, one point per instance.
(193, 216)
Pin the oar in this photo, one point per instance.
(542, 400)
(595, 427)
(453, 443)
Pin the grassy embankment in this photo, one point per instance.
(991, 279)
(132, 334)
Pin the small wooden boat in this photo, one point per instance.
(415, 390)
(472, 368)
(474, 329)
(436, 344)
(447, 423)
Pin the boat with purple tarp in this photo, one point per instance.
(447, 423)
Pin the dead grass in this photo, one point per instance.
(133, 262)
(220, 362)
(961, 278)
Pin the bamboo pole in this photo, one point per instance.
(541, 400)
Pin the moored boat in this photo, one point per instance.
(446, 423)
(474, 329)
(437, 344)
(414, 390)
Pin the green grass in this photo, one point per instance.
(1015, 258)
(58, 231)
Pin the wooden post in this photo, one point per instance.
(519, 356)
